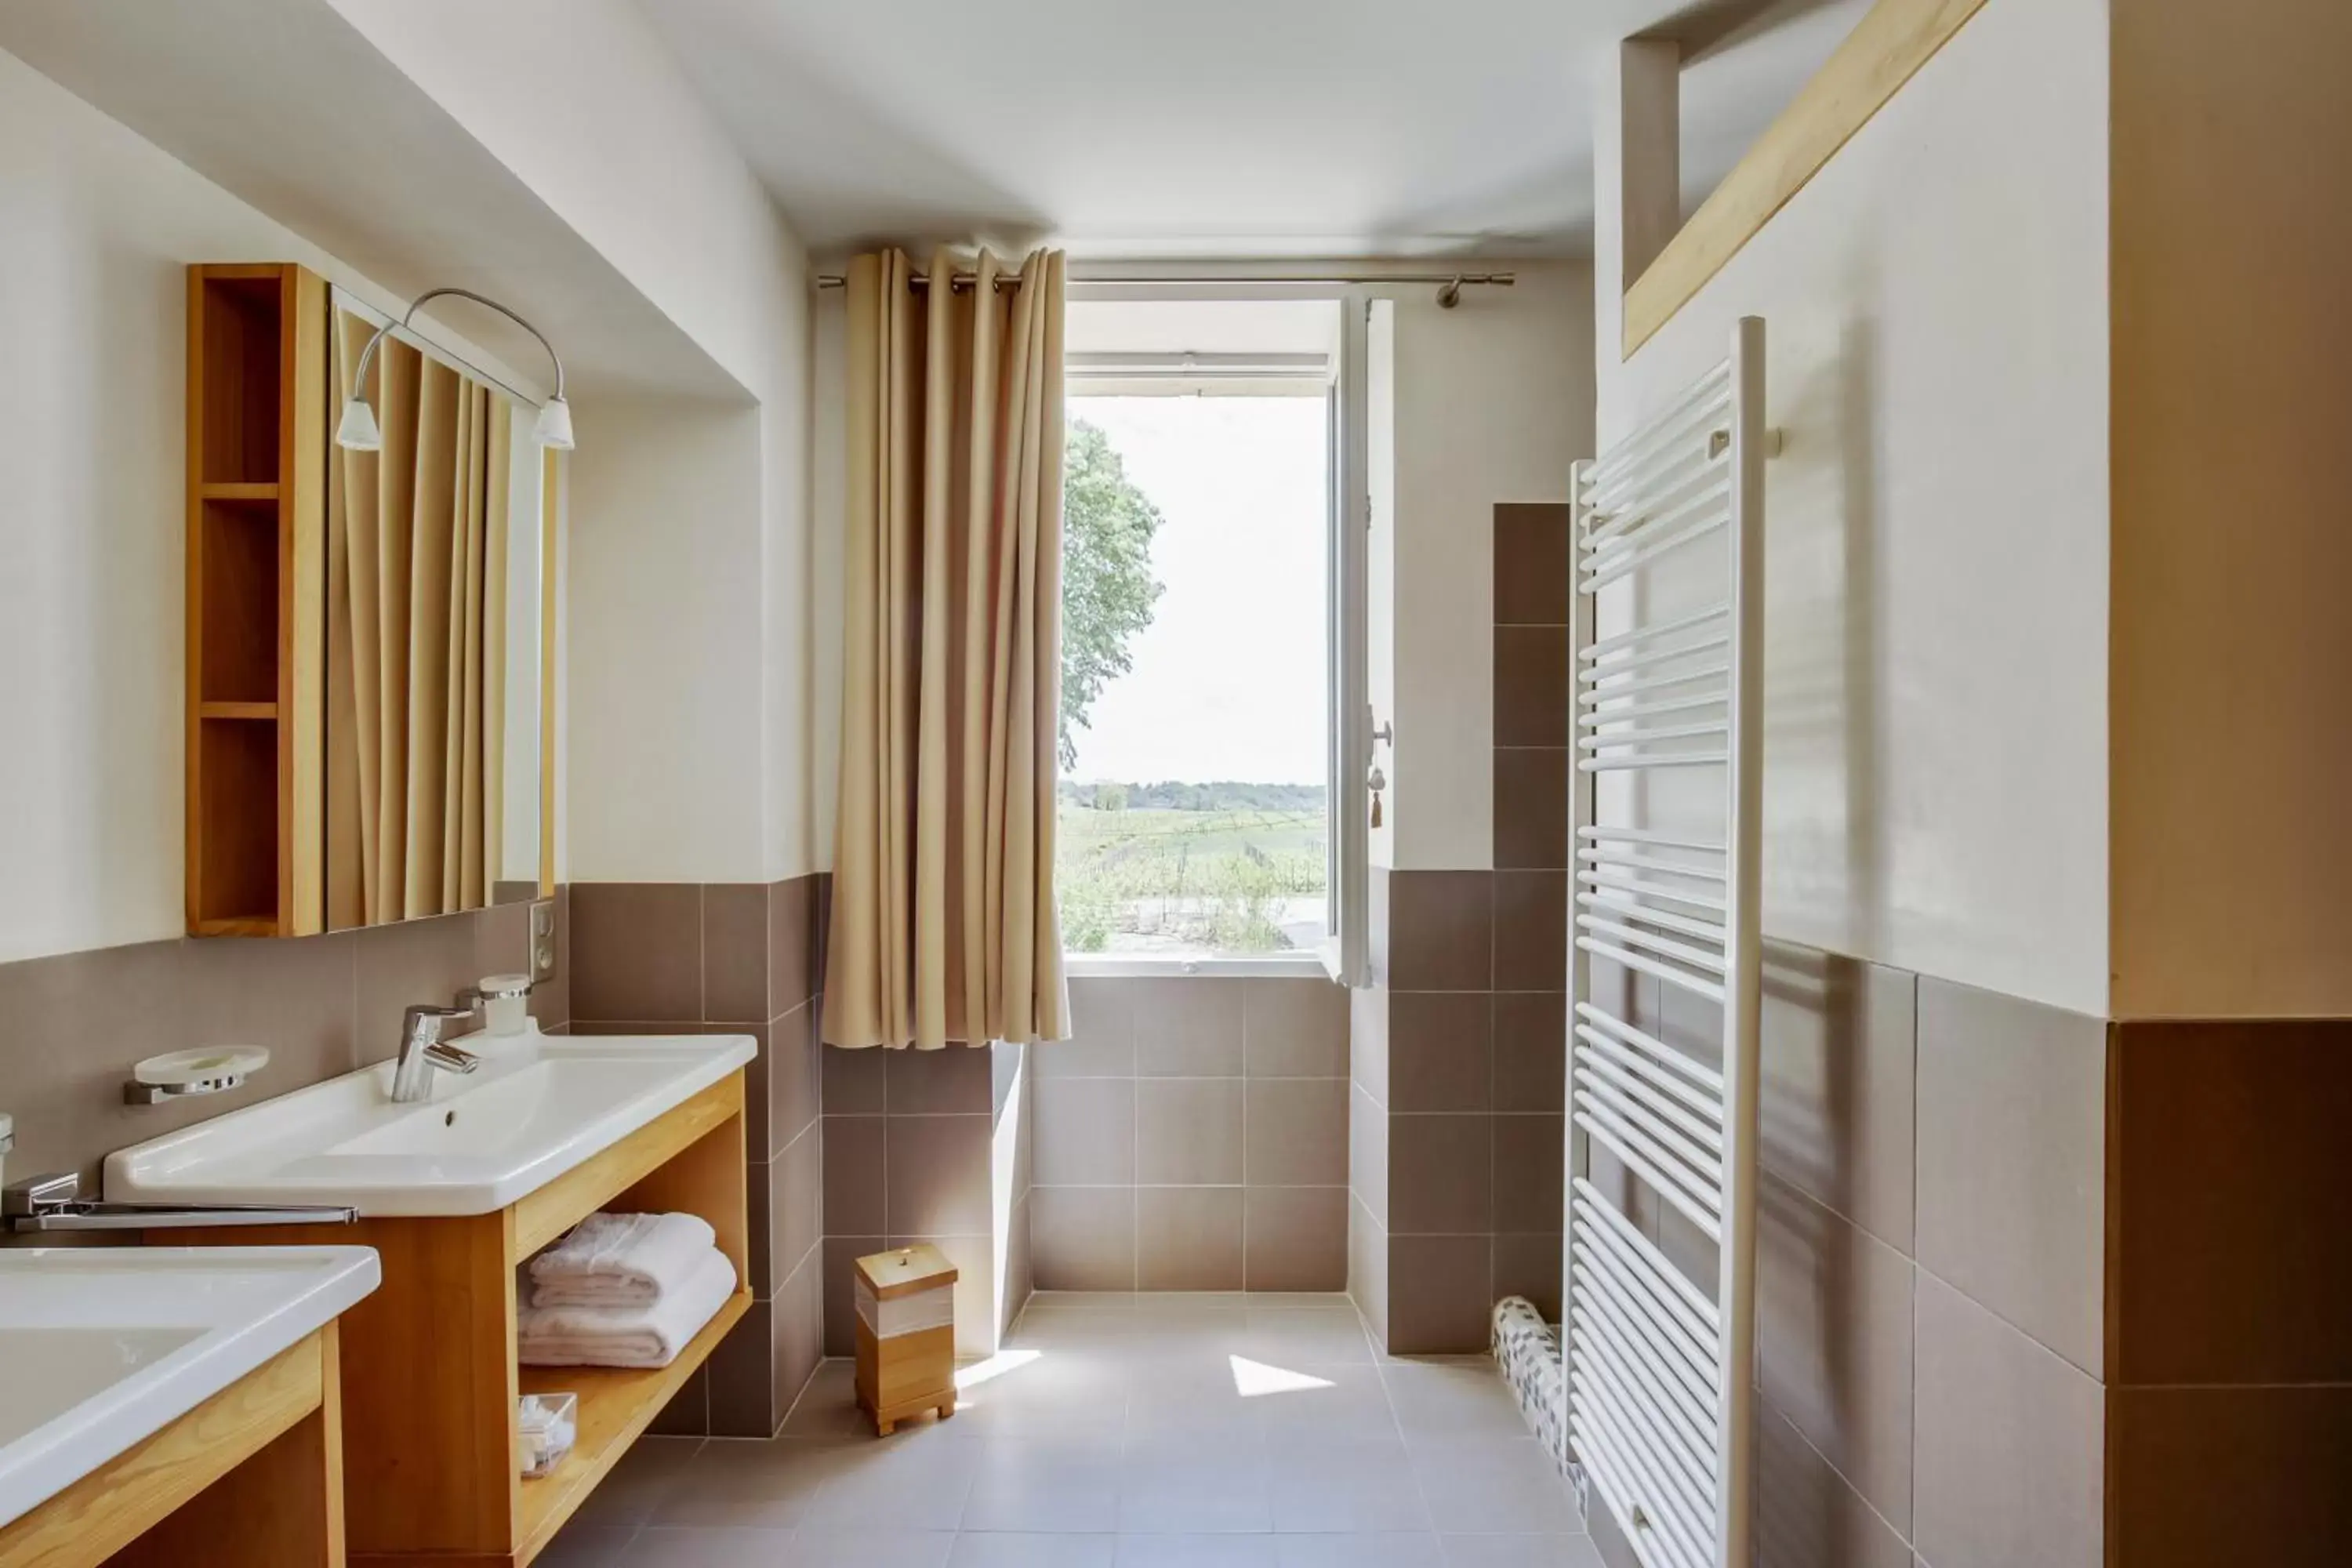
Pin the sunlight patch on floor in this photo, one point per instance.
(1255, 1378)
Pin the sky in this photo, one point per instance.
(1228, 682)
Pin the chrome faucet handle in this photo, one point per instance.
(423, 1022)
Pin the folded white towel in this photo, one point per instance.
(620, 1261)
(627, 1336)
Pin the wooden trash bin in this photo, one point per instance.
(906, 1334)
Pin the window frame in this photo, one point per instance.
(1341, 379)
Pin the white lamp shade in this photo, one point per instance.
(555, 427)
(357, 432)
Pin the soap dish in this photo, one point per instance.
(169, 1076)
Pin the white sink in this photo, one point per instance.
(538, 1106)
(105, 1346)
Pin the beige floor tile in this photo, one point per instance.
(1197, 1552)
(867, 1547)
(672, 1546)
(1520, 1551)
(1389, 1551)
(1506, 1486)
(1007, 1550)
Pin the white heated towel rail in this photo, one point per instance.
(1658, 1368)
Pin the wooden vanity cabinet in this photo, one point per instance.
(430, 1375)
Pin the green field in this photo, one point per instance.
(1223, 881)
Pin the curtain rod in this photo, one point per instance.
(1449, 285)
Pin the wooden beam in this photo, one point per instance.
(1885, 50)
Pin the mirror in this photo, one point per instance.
(438, 655)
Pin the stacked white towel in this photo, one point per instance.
(627, 1289)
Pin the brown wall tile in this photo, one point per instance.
(850, 1080)
(1085, 1131)
(1531, 563)
(1295, 1028)
(799, 1319)
(1807, 1515)
(1833, 1342)
(1367, 1153)
(854, 1155)
(1295, 1239)
(1441, 1174)
(1837, 1051)
(1083, 1238)
(400, 965)
(637, 952)
(1527, 1263)
(735, 952)
(1187, 1238)
(938, 1175)
(1441, 1050)
(1368, 1265)
(795, 1070)
(1532, 803)
(1438, 1301)
(2011, 1163)
(2210, 1476)
(1296, 1133)
(743, 1378)
(1368, 1040)
(952, 1080)
(796, 1200)
(1530, 1154)
(2008, 1466)
(2233, 1258)
(1188, 1131)
(1531, 686)
(1188, 1028)
(1441, 931)
(1530, 930)
(839, 1293)
(1530, 1050)
(792, 974)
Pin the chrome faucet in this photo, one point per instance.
(422, 1048)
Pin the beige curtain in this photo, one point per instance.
(416, 568)
(943, 924)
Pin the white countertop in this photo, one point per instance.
(102, 1347)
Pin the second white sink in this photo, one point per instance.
(538, 1106)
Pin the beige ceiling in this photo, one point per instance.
(1215, 127)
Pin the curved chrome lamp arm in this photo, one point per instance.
(359, 430)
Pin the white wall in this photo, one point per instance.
(668, 658)
(1492, 403)
(584, 102)
(1935, 785)
(96, 230)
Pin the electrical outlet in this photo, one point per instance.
(542, 941)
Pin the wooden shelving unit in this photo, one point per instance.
(256, 454)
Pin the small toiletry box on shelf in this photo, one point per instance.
(906, 1334)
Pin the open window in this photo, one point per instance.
(1213, 732)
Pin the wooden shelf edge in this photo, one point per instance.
(259, 490)
(237, 925)
(251, 711)
(616, 1405)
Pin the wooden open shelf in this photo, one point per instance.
(616, 1405)
(430, 1377)
(257, 455)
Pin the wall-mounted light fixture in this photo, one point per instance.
(358, 432)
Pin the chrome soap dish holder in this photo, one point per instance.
(178, 1074)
